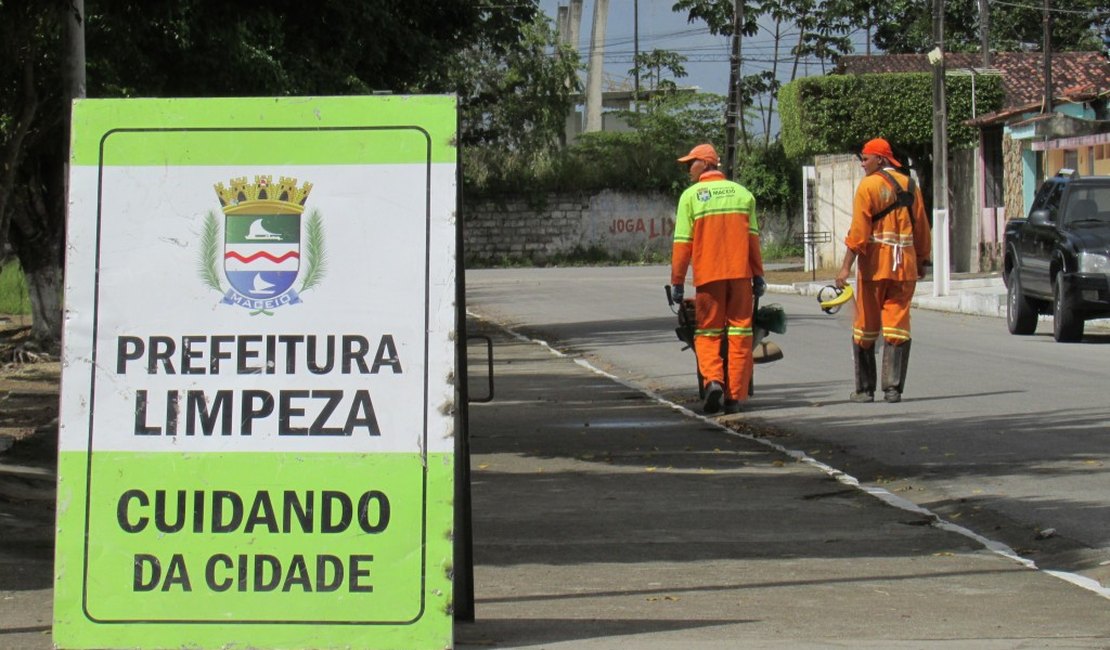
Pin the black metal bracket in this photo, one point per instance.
(489, 368)
(811, 239)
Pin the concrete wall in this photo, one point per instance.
(610, 225)
(538, 229)
(834, 189)
(831, 205)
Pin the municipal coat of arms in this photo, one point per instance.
(262, 244)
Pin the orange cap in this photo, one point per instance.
(704, 152)
(880, 147)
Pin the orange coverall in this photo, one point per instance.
(887, 259)
(716, 229)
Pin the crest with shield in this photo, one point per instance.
(262, 236)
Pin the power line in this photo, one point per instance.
(688, 53)
(1053, 10)
(696, 51)
(722, 59)
(783, 36)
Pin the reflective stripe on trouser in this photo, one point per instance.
(725, 306)
(882, 309)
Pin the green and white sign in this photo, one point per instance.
(258, 387)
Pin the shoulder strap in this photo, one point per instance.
(902, 198)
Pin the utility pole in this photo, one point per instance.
(597, 65)
(574, 22)
(940, 157)
(567, 36)
(984, 32)
(636, 52)
(733, 108)
(1046, 107)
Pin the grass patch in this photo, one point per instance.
(13, 290)
(776, 251)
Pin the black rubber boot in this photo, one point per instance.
(714, 391)
(896, 359)
(864, 359)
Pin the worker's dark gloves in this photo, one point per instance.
(677, 291)
(758, 286)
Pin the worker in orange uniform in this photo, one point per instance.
(716, 229)
(890, 238)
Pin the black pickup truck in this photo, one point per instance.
(1058, 259)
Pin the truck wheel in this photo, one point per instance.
(1067, 326)
(1021, 318)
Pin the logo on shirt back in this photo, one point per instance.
(704, 195)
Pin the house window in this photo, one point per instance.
(1071, 159)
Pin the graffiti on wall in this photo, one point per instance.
(652, 228)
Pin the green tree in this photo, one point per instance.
(651, 66)
(821, 115)
(193, 48)
(32, 151)
(862, 15)
(774, 179)
(513, 103)
(717, 15)
(823, 32)
(173, 48)
(905, 26)
(819, 29)
(759, 90)
(642, 159)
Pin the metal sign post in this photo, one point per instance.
(810, 240)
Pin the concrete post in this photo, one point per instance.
(597, 65)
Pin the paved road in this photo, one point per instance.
(1005, 435)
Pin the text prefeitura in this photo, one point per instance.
(298, 412)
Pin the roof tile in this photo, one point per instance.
(1022, 72)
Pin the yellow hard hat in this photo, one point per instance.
(832, 297)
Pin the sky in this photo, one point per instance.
(707, 55)
(659, 28)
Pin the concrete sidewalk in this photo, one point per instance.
(606, 519)
(979, 295)
(976, 295)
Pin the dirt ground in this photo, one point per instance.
(28, 444)
(793, 277)
(28, 398)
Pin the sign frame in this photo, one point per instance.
(88, 433)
